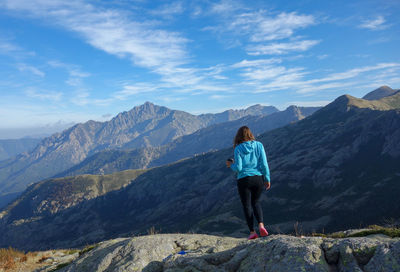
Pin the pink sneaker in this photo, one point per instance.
(263, 232)
(253, 236)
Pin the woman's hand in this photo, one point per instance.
(267, 185)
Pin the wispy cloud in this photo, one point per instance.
(375, 24)
(259, 25)
(281, 48)
(134, 89)
(324, 56)
(270, 78)
(31, 69)
(168, 10)
(255, 63)
(7, 47)
(44, 95)
(262, 29)
(218, 97)
(113, 31)
(75, 75)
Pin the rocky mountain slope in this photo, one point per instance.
(145, 125)
(12, 147)
(335, 169)
(379, 93)
(211, 138)
(188, 252)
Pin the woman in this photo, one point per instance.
(252, 170)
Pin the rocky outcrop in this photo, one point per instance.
(193, 252)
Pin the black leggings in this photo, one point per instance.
(250, 189)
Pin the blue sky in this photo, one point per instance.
(71, 61)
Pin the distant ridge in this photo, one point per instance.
(379, 93)
(147, 125)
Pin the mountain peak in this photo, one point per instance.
(379, 93)
(346, 102)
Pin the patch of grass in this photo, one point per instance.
(372, 229)
(58, 267)
(375, 229)
(87, 249)
(71, 251)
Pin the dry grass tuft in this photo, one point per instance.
(9, 257)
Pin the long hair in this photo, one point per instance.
(243, 135)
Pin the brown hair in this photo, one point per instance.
(243, 135)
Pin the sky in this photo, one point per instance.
(63, 62)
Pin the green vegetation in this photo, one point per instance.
(373, 229)
(60, 266)
(72, 251)
(87, 249)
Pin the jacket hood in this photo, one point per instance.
(247, 147)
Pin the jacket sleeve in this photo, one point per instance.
(237, 165)
(264, 163)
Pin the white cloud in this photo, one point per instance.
(74, 72)
(130, 90)
(259, 25)
(44, 95)
(81, 98)
(375, 24)
(218, 97)
(13, 50)
(281, 48)
(321, 57)
(110, 30)
(31, 69)
(256, 63)
(225, 6)
(270, 78)
(169, 9)
(354, 72)
(7, 47)
(271, 72)
(279, 27)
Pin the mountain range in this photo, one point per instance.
(211, 138)
(335, 169)
(144, 126)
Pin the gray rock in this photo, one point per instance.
(194, 252)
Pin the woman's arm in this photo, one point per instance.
(237, 165)
(264, 163)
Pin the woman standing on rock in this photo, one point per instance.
(252, 170)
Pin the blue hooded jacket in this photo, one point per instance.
(250, 160)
